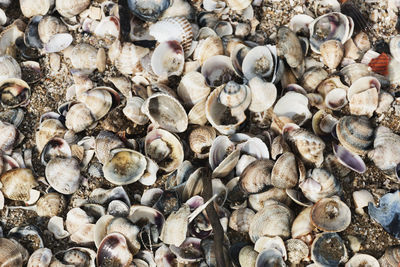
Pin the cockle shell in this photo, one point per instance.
(193, 89)
(320, 184)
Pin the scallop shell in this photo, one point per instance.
(355, 134)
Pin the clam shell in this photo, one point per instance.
(355, 134)
(17, 184)
(166, 112)
(302, 224)
(297, 250)
(395, 47)
(332, 52)
(9, 68)
(79, 118)
(270, 257)
(71, 8)
(336, 99)
(319, 185)
(256, 176)
(240, 219)
(217, 70)
(105, 142)
(294, 106)
(284, 173)
(348, 159)
(248, 256)
(360, 259)
(49, 26)
(113, 250)
(14, 92)
(10, 254)
(331, 215)
(312, 78)
(125, 166)
(40, 258)
(48, 129)
(201, 139)
(257, 201)
(288, 46)
(263, 95)
(207, 48)
(175, 227)
(98, 100)
(238, 5)
(58, 42)
(189, 251)
(391, 257)
(133, 111)
(258, 62)
(63, 175)
(9, 137)
(321, 249)
(84, 57)
(235, 96)
(274, 219)
(50, 204)
(193, 89)
(148, 10)
(168, 59)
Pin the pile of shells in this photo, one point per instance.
(196, 132)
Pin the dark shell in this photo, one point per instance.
(328, 250)
(148, 10)
(31, 36)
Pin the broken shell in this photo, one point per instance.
(113, 250)
(104, 143)
(193, 89)
(288, 46)
(319, 184)
(240, 219)
(69, 9)
(263, 94)
(386, 214)
(63, 174)
(258, 62)
(189, 251)
(331, 26)
(175, 227)
(299, 23)
(297, 250)
(359, 260)
(223, 157)
(275, 243)
(165, 149)
(168, 59)
(56, 227)
(274, 219)
(49, 26)
(332, 53)
(148, 10)
(14, 92)
(323, 122)
(312, 78)
(166, 112)
(331, 215)
(40, 258)
(238, 5)
(355, 134)
(9, 68)
(17, 184)
(285, 177)
(328, 249)
(125, 166)
(201, 139)
(124, 227)
(361, 199)
(269, 258)
(336, 98)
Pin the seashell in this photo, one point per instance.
(309, 146)
(355, 134)
(302, 225)
(164, 256)
(193, 89)
(175, 227)
(48, 129)
(14, 92)
(331, 215)
(207, 48)
(257, 201)
(148, 11)
(320, 184)
(9, 137)
(102, 196)
(31, 71)
(197, 115)
(177, 28)
(362, 259)
(84, 58)
(201, 139)
(13, 116)
(297, 250)
(361, 40)
(132, 110)
(56, 147)
(331, 26)
(390, 257)
(118, 208)
(248, 256)
(270, 257)
(79, 118)
(351, 51)
(323, 122)
(23, 233)
(40, 258)
(124, 227)
(125, 166)
(329, 84)
(77, 256)
(214, 5)
(275, 243)
(294, 106)
(274, 219)
(10, 254)
(56, 227)
(17, 184)
(240, 219)
(386, 213)
(168, 59)
(348, 159)
(108, 27)
(166, 112)
(189, 251)
(127, 57)
(256, 176)
(49, 26)
(9, 36)
(361, 199)
(63, 174)
(217, 70)
(30, 8)
(258, 62)
(69, 9)
(113, 250)
(288, 46)
(284, 173)
(105, 142)
(50, 204)
(223, 28)
(299, 23)
(312, 78)
(9, 68)
(393, 74)
(58, 42)
(98, 100)
(332, 52)
(194, 184)
(395, 47)
(235, 96)
(3, 17)
(263, 95)
(165, 149)
(238, 5)
(336, 99)
(355, 71)
(321, 249)
(380, 64)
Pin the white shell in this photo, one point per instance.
(58, 42)
(40, 258)
(63, 175)
(336, 98)
(193, 89)
(168, 59)
(71, 8)
(32, 8)
(258, 62)
(361, 199)
(395, 47)
(132, 110)
(294, 106)
(263, 94)
(9, 68)
(56, 227)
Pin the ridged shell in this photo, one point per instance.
(10, 254)
(9, 68)
(193, 89)
(17, 184)
(288, 46)
(284, 173)
(49, 26)
(332, 53)
(331, 215)
(50, 204)
(256, 176)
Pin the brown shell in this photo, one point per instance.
(10, 256)
(284, 173)
(240, 219)
(256, 176)
(331, 215)
(17, 184)
(50, 204)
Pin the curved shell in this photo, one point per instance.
(207, 48)
(263, 94)
(289, 46)
(217, 70)
(294, 106)
(166, 112)
(9, 68)
(201, 139)
(14, 92)
(274, 219)
(133, 111)
(359, 260)
(49, 26)
(258, 62)
(284, 173)
(98, 100)
(390, 257)
(48, 129)
(165, 149)
(17, 184)
(355, 134)
(235, 96)
(9, 137)
(125, 166)
(113, 249)
(336, 99)
(40, 258)
(32, 8)
(238, 4)
(240, 219)
(193, 89)
(84, 57)
(320, 184)
(50, 204)
(168, 59)
(321, 250)
(79, 118)
(395, 47)
(256, 176)
(148, 10)
(332, 52)
(302, 224)
(63, 174)
(331, 215)
(10, 254)
(71, 8)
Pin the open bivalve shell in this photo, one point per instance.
(328, 249)
(294, 106)
(359, 260)
(168, 59)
